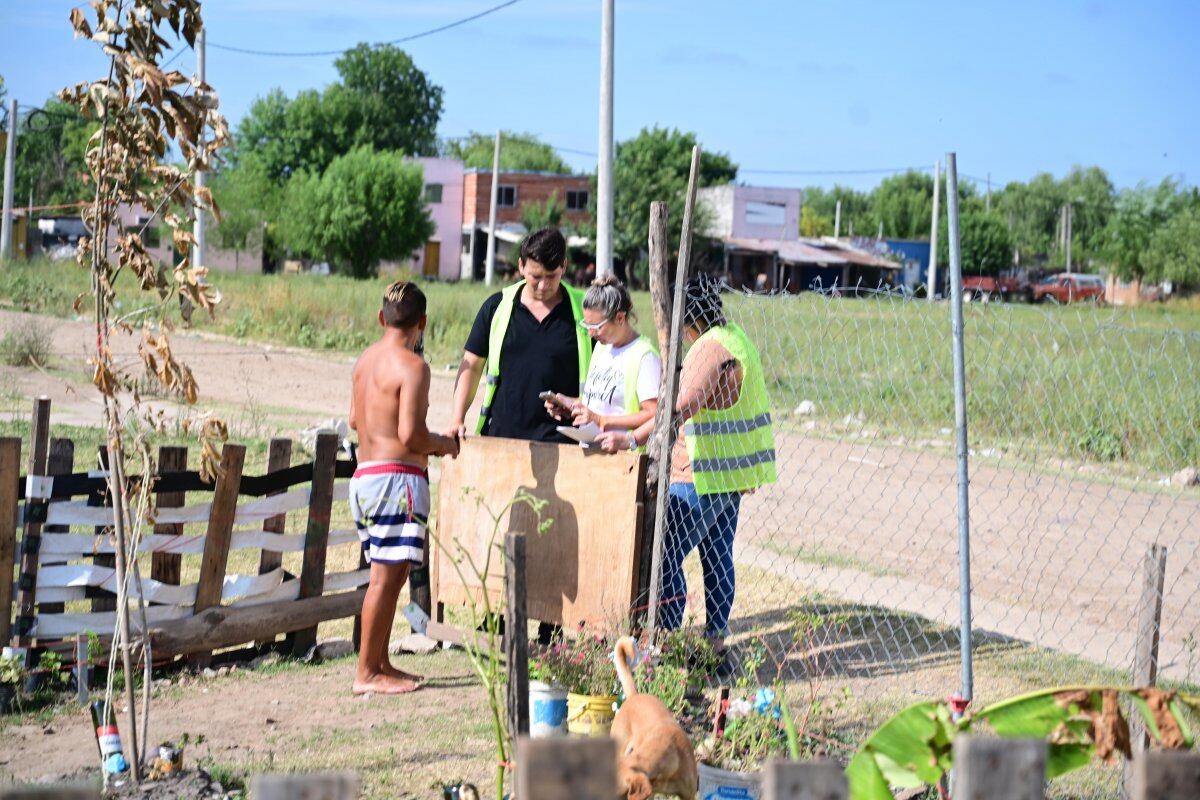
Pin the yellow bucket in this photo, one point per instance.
(590, 714)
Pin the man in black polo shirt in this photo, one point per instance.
(535, 326)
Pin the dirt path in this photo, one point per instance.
(295, 718)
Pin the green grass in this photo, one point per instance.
(1112, 387)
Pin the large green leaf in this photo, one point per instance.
(1034, 715)
(1064, 758)
(909, 750)
(1147, 717)
(865, 778)
(1180, 715)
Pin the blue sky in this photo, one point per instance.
(1014, 87)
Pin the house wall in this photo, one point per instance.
(1122, 293)
(729, 206)
(532, 187)
(446, 216)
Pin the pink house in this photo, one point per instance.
(444, 199)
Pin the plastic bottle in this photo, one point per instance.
(108, 739)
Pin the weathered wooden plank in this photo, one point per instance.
(516, 650)
(279, 456)
(168, 567)
(554, 769)
(224, 626)
(31, 538)
(1166, 775)
(999, 769)
(809, 780)
(10, 484)
(332, 786)
(216, 540)
(316, 536)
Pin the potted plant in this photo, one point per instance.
(12, 672)
(547, 701)
(749, 731)
(584, 668)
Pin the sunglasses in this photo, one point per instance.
(593, 327)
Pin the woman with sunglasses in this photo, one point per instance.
(621, 390)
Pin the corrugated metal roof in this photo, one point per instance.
(791, 251)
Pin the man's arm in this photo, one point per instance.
(411, 428)
(470, 371)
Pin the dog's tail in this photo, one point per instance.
(623, 654)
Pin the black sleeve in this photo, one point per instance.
(477, 339)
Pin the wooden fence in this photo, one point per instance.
(586, 769)
(65, 576)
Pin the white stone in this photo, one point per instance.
(805, 408)
(1188, 476)
(413, 643)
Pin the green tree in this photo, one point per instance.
(249, 203)
(541, 215)
(813, 224)
(904, 203)
(1032, 212)
(1138, 214)
(654, 165)
(1092, 199)
(856, 208)
(365, 207)
(51, 144)
(985, 244)
(1174, 253)
(517, 151)
(399, 107)
(383, 100)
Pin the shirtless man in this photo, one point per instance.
(389, 493)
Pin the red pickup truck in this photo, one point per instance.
(1069, 287)
(986, 287)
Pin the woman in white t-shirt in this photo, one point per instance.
(621, 390)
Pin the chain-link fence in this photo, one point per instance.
(1083, 424)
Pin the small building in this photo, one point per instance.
(757, 231)
(517, 190)
(444, 201)
(914, 258)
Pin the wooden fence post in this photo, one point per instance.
(809, 780)
(31, 538)
(220, 530)
(97, 499)
(1166, 775)
(60, 462)
(316, 536)
(279, 457)
(516, 642)
(167, 567)
(334, 786)
(10, 483)
(999, 769)
(1145, 652)
(553, 769)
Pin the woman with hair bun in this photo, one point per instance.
(621, 390)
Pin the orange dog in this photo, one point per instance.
(654, 755)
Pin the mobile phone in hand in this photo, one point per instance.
(556, 398)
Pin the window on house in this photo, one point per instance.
(433, 193)
(506, 196)
(760, 213)
(577, 200)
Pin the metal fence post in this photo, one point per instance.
(960, 428)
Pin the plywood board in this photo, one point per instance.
(583, 568)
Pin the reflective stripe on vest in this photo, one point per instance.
(503, 315)
(733, 449)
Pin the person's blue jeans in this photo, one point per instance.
(706, 521)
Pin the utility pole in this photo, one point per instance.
(10, 169)
(879, 236)
(489, 266)
(604, 176)
(198, 251)
(931, 290)
(837, 219)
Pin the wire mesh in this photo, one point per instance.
(1083, 424)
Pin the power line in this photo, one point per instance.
(401, 40)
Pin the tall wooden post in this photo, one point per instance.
(999, 769)
(1145, 654)
(10, 482)
(516, 644)
(316, 537)
(31, 538)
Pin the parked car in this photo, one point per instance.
(1069, 287)
(986, 287)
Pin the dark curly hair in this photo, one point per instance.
(702, 308)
